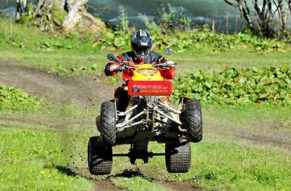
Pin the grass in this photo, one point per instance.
(29, 161)
(72, 60)
(193, 60)
(15, 99)
(250, 111)
(249, 116)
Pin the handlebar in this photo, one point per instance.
(125, 66)
(165, 65)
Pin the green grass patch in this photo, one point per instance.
(28, 37)
(249, 116)
(12, 98)
(28, 161)
(192, 60)
(249, 112)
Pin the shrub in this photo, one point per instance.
(236, 86)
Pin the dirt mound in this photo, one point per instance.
(60, 90)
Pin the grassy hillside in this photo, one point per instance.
(85, 53)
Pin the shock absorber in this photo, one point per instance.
(130, 103)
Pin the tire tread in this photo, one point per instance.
(107, 122)
(99, 157)
(178, 158)
(193, 120)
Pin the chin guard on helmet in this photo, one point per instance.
(141, 44)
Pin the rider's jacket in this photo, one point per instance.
(130, 57)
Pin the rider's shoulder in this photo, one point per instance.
(155, 54)
(126, 55)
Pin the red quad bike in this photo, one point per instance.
(148, 117)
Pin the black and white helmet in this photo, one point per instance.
(141, 44)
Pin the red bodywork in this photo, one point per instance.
(121, 94)
(166, 74)
(150, 88)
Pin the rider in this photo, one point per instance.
(141, 53)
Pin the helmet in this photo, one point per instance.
(141, 44)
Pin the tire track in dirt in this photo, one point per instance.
(105, 185)
(178, 186)
(61, 90)
(265, 133)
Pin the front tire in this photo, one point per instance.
(178, 158)
(99, 157)
(108, 122)
(192, 118)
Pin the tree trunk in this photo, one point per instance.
(289, 5)
(73, 17)
(284, 17)
(264, 12)
(21, 8)
(48, 4)
(242, 6)
(76, 18)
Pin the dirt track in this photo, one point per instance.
(60, 90)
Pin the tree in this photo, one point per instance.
(261, 14)
(282, 14)
(68, 15)
(21, 7)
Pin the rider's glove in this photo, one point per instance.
(170, 62)
(113, 67)
(110, 68)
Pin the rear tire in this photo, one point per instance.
(107, 123)
(192, 118)
(178, 158)
(99, 157)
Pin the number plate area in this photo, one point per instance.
(150, 88)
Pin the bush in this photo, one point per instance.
(196, 39)
(236, 86)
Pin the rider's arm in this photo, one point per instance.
(108, 68)
(169, 73)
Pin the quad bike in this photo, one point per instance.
(148, 117)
